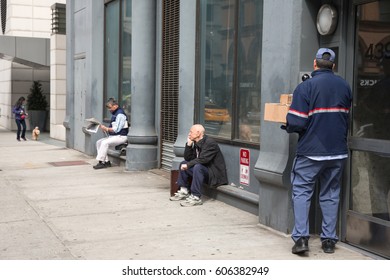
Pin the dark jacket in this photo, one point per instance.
(319, 114)
(124, 131)
(210, 156)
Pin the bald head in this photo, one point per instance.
(196, 132)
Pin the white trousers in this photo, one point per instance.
(103, 144)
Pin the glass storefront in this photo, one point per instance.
(372, 107)
(368, 218)
(230, 68)
(371, 101)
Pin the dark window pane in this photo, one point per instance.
(371, 110)
(230, 68)
(126, 57)
(112, 51)
(217, 66)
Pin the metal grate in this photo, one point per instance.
(170, 79)
(3, 15)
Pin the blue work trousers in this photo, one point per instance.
(199, 174)
(304, 174)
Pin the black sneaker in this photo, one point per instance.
(100, 165)
(300, 246)
(107, 163)
(24, 138)
(328, 246)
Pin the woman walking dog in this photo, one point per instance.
(20, 116)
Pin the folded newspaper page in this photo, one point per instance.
(93, 125)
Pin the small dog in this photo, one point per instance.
(35, 133)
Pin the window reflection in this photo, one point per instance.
(111, 52)
(118, 53)
(372, 94)
(371, 184)
(217, 66)
(126, 58)
(230, 68)
(249, 61)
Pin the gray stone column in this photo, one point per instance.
(142, 149)
(69, 115)
(273, 165)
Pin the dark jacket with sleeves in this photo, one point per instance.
(210, 156)
(319, 114)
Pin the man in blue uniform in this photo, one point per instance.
(319, 114)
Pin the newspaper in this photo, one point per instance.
(93, 125)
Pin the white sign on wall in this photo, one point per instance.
(244, 167)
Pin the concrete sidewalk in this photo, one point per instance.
(54, 205)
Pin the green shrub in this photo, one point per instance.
(36, 100)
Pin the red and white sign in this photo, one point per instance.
(244, 167)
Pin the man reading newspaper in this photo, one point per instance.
(117, 133)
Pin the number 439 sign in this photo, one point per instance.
(244, 167)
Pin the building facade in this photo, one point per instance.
(31, 51)
(174, 63)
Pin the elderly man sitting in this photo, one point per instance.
(204, 163)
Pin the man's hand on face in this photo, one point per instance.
(189, 141)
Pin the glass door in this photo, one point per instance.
(368, 216)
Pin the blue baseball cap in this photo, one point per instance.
(322, 51)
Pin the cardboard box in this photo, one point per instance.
(276, 112)
(286, 98)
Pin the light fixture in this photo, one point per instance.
(326, 19)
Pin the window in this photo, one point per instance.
(371, 110)
(370, 161)
(230, 68)
(118, 53)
